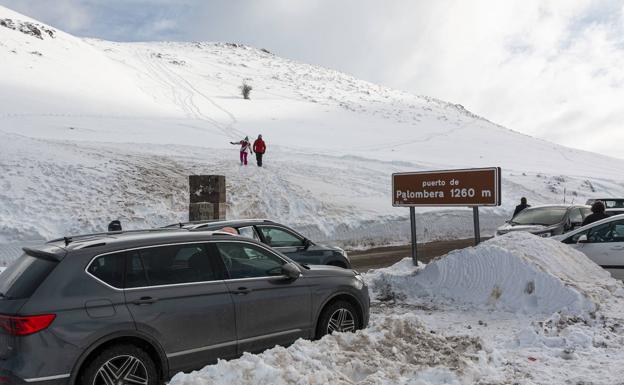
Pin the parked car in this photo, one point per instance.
(137, 307)
(279, 237)
(602, 242)
(610, 203)
(613, 206)
(547, 220)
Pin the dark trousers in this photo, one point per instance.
(259, 159)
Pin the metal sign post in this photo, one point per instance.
(477, 229)
(467, 187)
(414, 244)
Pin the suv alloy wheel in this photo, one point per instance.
(121, 365)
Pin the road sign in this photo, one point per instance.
(468, 187)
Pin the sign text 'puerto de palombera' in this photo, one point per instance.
(466, 187)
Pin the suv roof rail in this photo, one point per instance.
(71, 238)
(215, 221)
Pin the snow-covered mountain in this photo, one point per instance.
(93, 130)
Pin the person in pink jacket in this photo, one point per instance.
(245, 147)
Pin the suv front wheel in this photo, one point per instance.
(340, 316)
(120, 365)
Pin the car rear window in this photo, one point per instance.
(23, 277)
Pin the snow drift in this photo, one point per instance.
(518, 272)
(394, 350)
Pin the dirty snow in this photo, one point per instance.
(393, 350)
(420, 337)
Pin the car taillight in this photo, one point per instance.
(23, 326)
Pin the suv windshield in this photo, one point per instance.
(540, 216)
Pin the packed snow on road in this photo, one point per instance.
(515, 309)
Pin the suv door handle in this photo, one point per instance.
(242, 291)
(145, 301)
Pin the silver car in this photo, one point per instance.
(602, 242)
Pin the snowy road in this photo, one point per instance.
(379, 257)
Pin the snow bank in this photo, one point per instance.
(394, 350)
(518, 272)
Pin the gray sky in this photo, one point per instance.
(549, 68)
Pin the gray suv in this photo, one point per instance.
(137, 307)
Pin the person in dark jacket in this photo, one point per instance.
(523, 205)
(259, 148)
(598, 212)
(245, 146)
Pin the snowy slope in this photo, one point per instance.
(92, 131)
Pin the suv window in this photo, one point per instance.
(156, 266)
(170, 265)
(23, 277)
(244, 260)
(277, 237)
(109, 268)
(248, 232)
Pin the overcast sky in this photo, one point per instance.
(549, 68)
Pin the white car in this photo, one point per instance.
(602, 242)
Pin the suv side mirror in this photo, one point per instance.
(582, 239)
(307, 243)
(291, 270)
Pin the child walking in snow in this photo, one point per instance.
(245, 146)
